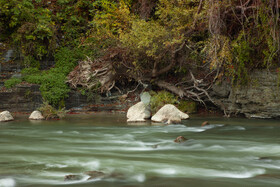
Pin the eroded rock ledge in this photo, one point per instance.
(259, 99)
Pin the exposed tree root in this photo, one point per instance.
(93, 75)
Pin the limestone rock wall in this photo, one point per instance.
(259, 99)
(23, 98)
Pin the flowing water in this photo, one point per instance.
(228, 152)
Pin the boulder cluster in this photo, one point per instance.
(168, 114)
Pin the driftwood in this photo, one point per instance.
(92, 75)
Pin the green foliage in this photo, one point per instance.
(178, 15)
(10, 83)
(66, 59)
(52, 82)
(30, 61)
(52, 85)
(187, 106)
(243, 59)
(30, 71)
(159, 99)
(110, 18)
(149, 38)
(49, 112)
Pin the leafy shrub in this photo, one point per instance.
(159, 99)
(49, 112)
(52, 82)
(187, 106)
(29, 62)
(66, 59)
(10, 83)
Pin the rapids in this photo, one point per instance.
(228, 152)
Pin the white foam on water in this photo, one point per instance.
(215, 148)
(54, 174)
(139, 177)
(193, 129)
(181, 128)
(58, 132)
(270, 166)
(271, 149)
(212, 126)
(165, 171)
(89, 165)
(237, 174)
(240, 128)
(8, 182)
(75, 132)
(56, 166)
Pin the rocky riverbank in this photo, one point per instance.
(258, 99)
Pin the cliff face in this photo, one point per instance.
(259, 99)
(23, 98)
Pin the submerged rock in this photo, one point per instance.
(6, 116)
(95, 174)
(138, 112)
(72, 177)
(205, 123)
(170, 114)
(180, 139)
(36, 115)
(155, 146)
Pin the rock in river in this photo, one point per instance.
(6, 116)
(180, 139)
(36, 115)
(205, 123)
(170, 114)
(95, 174)
(72, 177)
(138, 112)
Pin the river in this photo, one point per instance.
(228, 152)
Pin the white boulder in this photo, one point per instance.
(138, 112)
(169, 114)
(36, 115)
(6, 116)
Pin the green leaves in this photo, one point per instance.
(10, 83)
(159, 99)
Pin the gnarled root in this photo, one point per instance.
(92, 74)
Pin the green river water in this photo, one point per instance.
(228, 152)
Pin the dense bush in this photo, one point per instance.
(10, 83)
